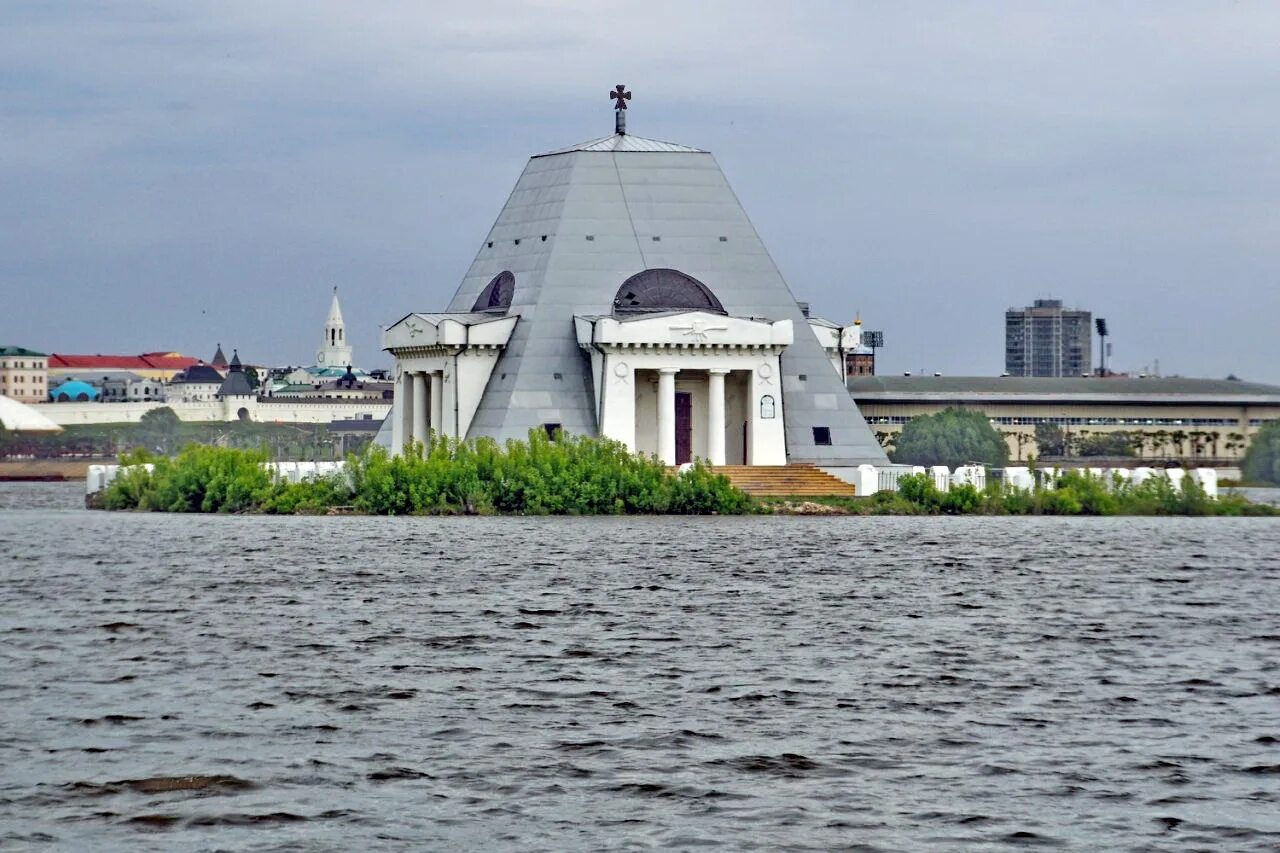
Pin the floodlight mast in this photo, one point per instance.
(1101, 325)
(873, 340)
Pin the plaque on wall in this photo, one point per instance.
(767, 408)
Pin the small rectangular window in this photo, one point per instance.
(822, 436)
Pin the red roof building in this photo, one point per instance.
(153, 365)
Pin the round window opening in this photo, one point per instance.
(496, 296)
(664, 290)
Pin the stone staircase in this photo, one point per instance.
(798, 480)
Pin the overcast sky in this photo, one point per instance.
(181, 174)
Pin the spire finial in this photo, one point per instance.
(620, 96)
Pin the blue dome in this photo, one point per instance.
(73, 391)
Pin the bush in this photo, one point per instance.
(1071, 493)
(578, 476)
(199, 479)
(962, 499)
(920, 490)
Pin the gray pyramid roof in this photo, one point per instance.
(236, 384)
(579, 222)
(625, 142)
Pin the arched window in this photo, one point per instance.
(496, 296)
(664, 290)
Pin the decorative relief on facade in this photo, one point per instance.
(698, 329)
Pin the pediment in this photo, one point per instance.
(417, 330)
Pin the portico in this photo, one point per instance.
(443, 363)
(691, 384)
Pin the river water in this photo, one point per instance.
(249, 683)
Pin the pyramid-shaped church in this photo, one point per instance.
(623, 292)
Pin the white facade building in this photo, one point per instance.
(623, 292)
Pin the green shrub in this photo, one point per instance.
(920, 490)
(961, 499)
(1093, 495)
(700, 490)
(541, 476)
(309, 497)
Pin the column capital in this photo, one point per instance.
(718, 371)
(669, 371)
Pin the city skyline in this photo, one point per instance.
(923, 166)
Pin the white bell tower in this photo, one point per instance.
(335, 352)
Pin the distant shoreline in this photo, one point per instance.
(47, 470)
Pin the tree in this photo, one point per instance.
(1161, 446)
(1262, 459)
(1051, 440)
(951, 437)
(251, 373)
(1106, 444)
(158, 429)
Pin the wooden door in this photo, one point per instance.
(684, 427)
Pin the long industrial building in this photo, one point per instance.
(1175, 417)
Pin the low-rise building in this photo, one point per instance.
(75, 391)
(126, 387)
(1168, 417)
(198, 383)
(349, 386)
(24, 374)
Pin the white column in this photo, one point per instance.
(397, 422)
(437, 402)
(667, 415)
(420, 407)
(715, 416)
(402, 426)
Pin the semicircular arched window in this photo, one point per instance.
(496, 295)
(664, 290)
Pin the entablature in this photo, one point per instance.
(682, 330)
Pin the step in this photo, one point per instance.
(801, 480)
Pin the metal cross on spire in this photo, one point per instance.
(620, 96)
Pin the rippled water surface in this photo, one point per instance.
(177, 682)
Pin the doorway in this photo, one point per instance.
(684, 427)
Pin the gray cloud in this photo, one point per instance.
(181, 174)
